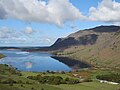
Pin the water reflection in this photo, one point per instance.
(28, 64)
(33, 61)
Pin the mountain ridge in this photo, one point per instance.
(83, 37)
(99, 46)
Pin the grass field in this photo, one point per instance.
(37, 87)
(28, 84)
(28, 87)
(26, 74)
(95, 85)
(90, 86)
(7, 87)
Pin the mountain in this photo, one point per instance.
(99, 46)
(84, 37)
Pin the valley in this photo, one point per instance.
(95, 51)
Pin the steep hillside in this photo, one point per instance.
(99, 46)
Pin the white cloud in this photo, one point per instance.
(28, 30)
(107, 11)
(47, 39)
(54, 12)
(8, 35)
(5, 32)
(26, 36)
(57, 11)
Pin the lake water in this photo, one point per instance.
(32, 61)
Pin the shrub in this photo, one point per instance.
(9, 81)
(87, 80)
(19, 82)
(54, 80)
(110, 77)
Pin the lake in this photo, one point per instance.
(32, 61)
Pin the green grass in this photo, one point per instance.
(101, 72)
(26, 74)
(27, 87)
(36, 87)
(95, 85)
(90, 86)
(7, 87)
(7, 72)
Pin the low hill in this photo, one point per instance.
(1, 56)
(99, 46)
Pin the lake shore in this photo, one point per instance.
(2, 56)
(74, 64)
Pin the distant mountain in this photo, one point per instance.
(99, 46)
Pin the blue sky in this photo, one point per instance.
(40, 23)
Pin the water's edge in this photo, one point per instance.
(34, 62)
(72, 62)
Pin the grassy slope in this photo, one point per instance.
(95, 85)
(28, 87)
(7, 87)
(105, 52)
(83, 86)
(7, 72)
(89, 86)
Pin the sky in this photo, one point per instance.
(42, 22)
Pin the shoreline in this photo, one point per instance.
(2, 56)
(75, 64)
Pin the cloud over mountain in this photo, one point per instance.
(53, 12)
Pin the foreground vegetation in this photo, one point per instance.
(55, 80)
(89, 86)
(12, 79)
(110, 77)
